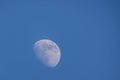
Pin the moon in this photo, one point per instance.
(47, 52)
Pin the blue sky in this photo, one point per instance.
(87, 32)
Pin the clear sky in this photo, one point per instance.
(87, 32)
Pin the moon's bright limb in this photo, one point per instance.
(47, 52)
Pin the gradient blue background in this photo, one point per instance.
(87, 32)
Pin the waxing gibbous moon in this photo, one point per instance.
(47, 52)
